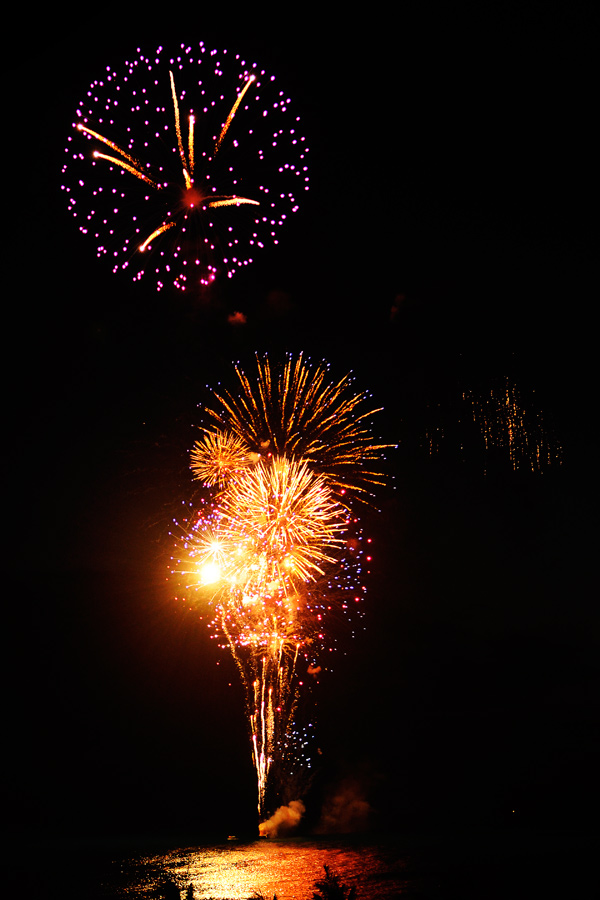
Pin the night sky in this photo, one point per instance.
(446, 244)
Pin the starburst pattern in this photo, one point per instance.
(218, 456)
(207, 162)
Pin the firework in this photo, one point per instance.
(275, 530)
(265, 605)
(498, 425)
(206, 162)
(219, 456)
(277, 550)
(297, 410)
(289, 515)
(516, 430)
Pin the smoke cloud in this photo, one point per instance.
(283, 820)
(346, 809)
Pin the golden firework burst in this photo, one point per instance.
(297, 410)
(218, 456)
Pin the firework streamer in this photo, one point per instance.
(207, 162)
(276, 549)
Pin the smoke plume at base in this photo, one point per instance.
(283, 820)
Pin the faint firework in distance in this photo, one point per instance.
(495, 425)
(514, 427)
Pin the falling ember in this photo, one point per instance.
(240, 132)
(273, 549)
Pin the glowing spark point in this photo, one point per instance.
(209, 573)
(254, 142)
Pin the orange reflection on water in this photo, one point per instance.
(285, 867)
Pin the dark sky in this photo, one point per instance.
(452, 179)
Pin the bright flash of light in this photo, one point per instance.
(209, 573)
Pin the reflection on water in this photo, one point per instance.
(507, 864)
(287, 868)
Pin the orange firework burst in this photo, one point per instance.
(297, 410)
(287, 517)
(218, 456)
(276, 529)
